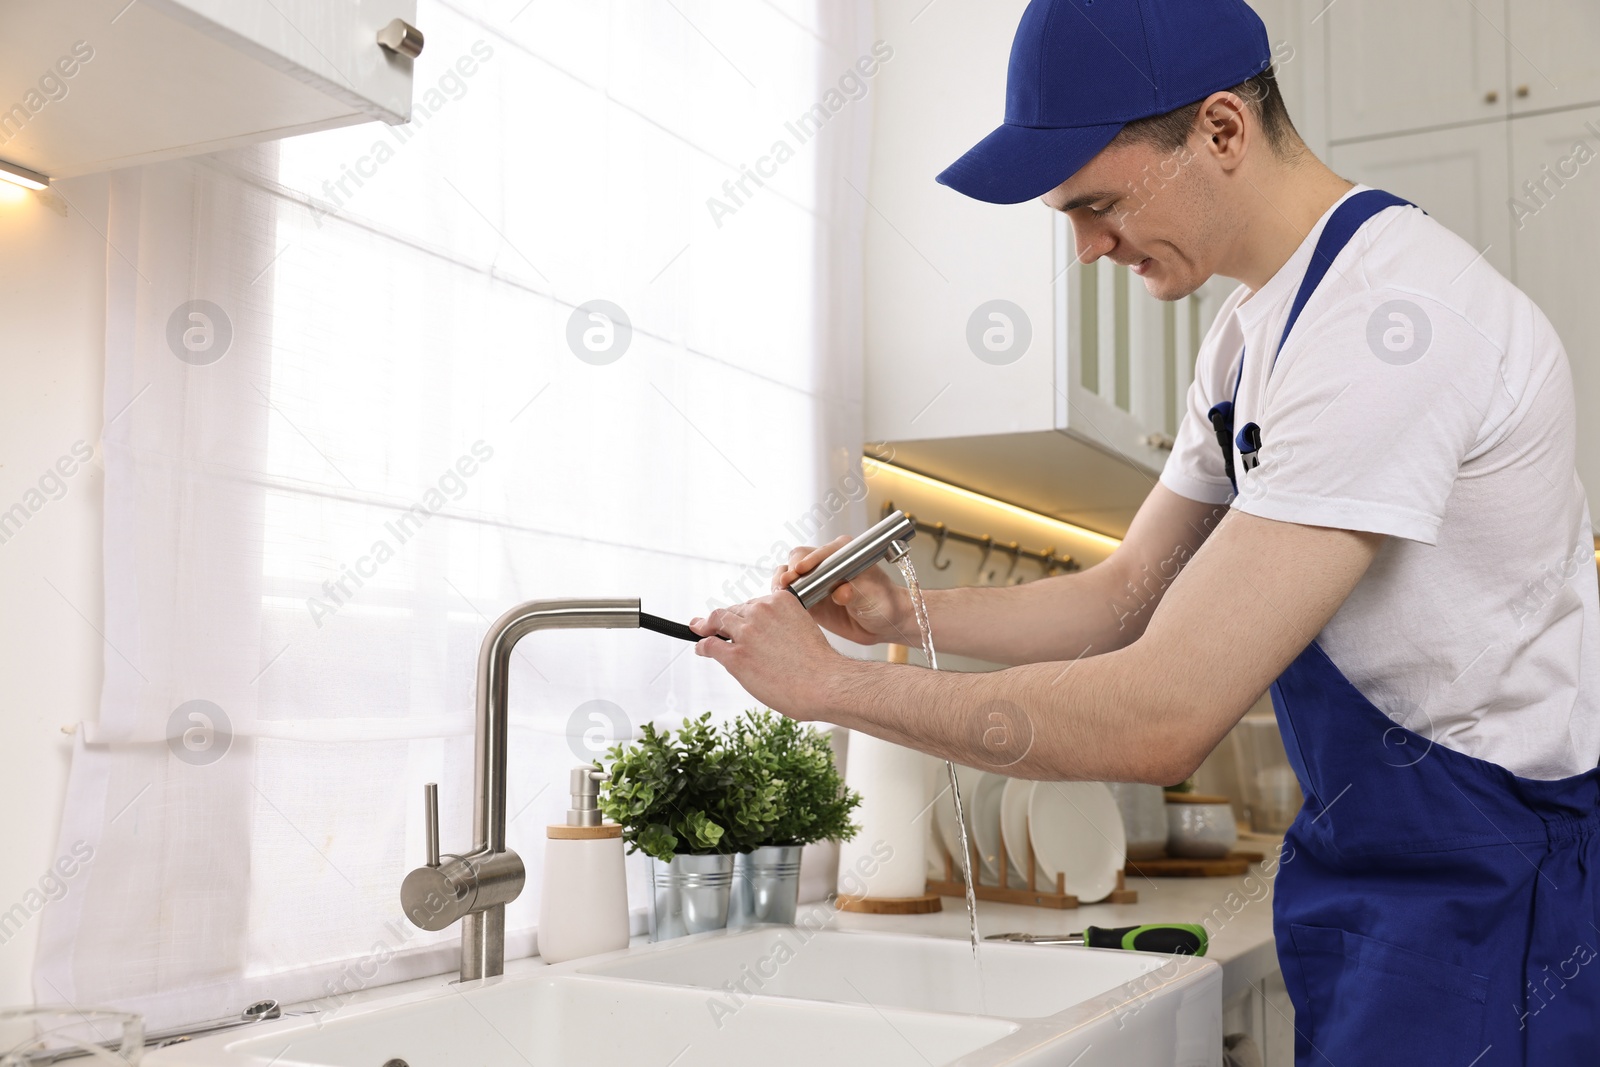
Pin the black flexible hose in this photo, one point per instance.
(669, 628)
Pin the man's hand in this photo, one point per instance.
(774, 650)
(866, 610)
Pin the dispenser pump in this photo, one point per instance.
(585, 787)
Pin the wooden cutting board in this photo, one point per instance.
(1232, 865)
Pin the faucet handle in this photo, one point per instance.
(451, 887)
(430, 822)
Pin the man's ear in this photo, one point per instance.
(1225, 124)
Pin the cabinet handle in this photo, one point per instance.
(401, 38)
(1524, 91)
(1492, 96)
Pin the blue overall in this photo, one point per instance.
(1431, 908)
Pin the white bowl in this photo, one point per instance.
(1201, 831)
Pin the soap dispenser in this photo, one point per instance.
(583, 909)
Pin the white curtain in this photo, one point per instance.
(360, 400)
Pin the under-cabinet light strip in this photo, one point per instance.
(971, 497)
(18, 175)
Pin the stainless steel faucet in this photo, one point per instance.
(476, 887)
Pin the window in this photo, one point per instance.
(550, 339)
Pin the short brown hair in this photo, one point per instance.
(1171, 131)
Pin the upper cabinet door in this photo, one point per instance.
(1377, 82)
(1553, 58)
(1459, 176)
(960, 293)
(1124, 360)
(333, 47)
(1556, 230)
(92, 85)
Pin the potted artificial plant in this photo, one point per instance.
(812, 805)
(723, 816)
(687, 799)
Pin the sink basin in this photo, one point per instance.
(771, 996)
(885, 970)
(591, 1023)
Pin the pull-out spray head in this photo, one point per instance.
(884, 543)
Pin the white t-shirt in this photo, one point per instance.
(1425, 397)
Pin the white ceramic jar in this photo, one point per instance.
(1144, 818)
(1201, 831)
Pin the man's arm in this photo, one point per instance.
(1254, 596)
(1101, 609)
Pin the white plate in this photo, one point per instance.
(985, 820)
(944, 808)
(1076, 830)
(1014, 832)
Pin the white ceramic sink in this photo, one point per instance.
(885, 970)
(585, 1022)
(769, 997)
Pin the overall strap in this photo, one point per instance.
(1347, 220)
(1342, 226)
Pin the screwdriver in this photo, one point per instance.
(1184, 939)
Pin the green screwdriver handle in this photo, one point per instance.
(1180, 938)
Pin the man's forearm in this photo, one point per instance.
(1091, 720)
(1054, 619)
(1102, 609)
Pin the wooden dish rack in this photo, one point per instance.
(953, 886)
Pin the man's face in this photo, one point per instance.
(1151, 210)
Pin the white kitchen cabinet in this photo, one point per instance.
(95, 84)
(1553, 62)
(933, 257)
(1264, 1012)
(1555, 237)
(1110, 368)
(1459, 176)
(1124, 360)
(1381, 79)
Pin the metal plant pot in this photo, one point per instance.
(689, 895)
(766, 886)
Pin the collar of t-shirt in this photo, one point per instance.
(1276, 296)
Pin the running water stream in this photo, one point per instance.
(920, 608)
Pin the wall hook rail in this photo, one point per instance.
(1049, 562)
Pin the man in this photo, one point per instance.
(1406, 563)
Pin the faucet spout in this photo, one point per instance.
(494, 665)
(476, 887)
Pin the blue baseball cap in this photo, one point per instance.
(1081, 70)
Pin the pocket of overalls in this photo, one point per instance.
(1368, 1001)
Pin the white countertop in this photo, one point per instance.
(1236, 912)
